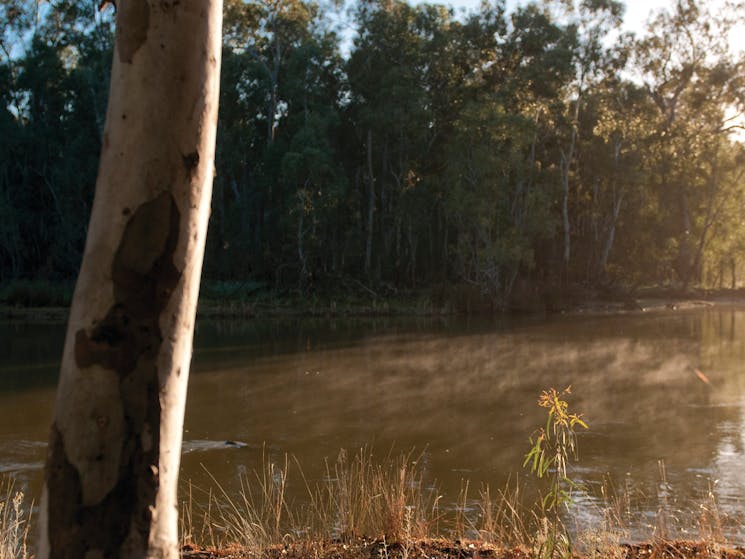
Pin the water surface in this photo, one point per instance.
(462, 392)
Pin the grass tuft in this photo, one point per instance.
(15, 519)
(356, 497)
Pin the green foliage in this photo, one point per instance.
(552, 446)
(229, 290)
(54, 68)
(435, 148)
(36, 293)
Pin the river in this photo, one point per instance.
(663, 394)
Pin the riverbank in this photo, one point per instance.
(456, 299)
(456, 549)
(283, 305)
(390, 499)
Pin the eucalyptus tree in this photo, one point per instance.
(281, 82)
(15, 19)
(616, 127)
(258, 39)
(501, 171)
(696, 82)
(722, 235)
(389, 110)
(310, 170)
(115, 444)
(55, 78)
(589, 24)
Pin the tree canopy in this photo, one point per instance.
(512, 152)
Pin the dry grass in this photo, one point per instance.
(710, 526)
(389, 501)
(388, 509)
(392, 503)
(254, 518)
(604, 541)
(15, 518)
(357, 496)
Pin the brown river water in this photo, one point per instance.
(461, 392)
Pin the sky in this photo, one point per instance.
(636, 10)
(635, 18)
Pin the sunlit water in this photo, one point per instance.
(462, 392)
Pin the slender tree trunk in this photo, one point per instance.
(370, 206)
(274, 99)
(565, 211)
(720, 275)
(603, 265)
(712, 213)
(302, 201)
(733, 275)
(685, 257)
(566, 166)
(115, 444)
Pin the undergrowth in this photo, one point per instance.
(15, 520)
(356, 497)
(36, 293)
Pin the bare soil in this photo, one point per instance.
(446, 549)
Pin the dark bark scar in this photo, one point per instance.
(191, 161)
(132, 23)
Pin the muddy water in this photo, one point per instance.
(462, 392)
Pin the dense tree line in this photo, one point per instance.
(512, 152)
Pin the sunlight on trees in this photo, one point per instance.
(515, 153)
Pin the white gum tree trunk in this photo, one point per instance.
(115, 444)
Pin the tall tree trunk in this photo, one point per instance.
(605, 255)
(567, 159)
(565, 210)
(685, 250)
(302, 203)
(733, 275)
(115, 444)
(370, 206)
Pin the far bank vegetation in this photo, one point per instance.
(488, 157)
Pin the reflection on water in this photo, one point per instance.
(462, 391)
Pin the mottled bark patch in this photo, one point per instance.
(112, 344)
(75, 530)
(63, 484)
(143, 271)
(127, 341)
(168, 5)
(144, 277)
(191, 161)
(132, 23)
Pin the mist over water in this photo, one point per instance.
(461, 392)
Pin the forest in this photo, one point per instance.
(398, 148)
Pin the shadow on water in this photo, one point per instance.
(29, 355)
(232, 340)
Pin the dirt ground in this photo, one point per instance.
(445, 549)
